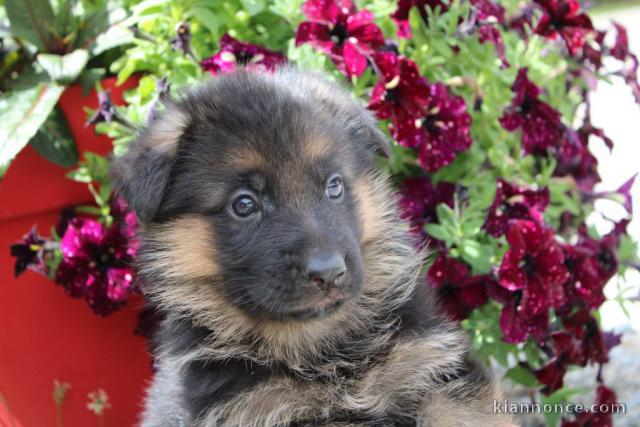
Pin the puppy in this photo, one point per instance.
(292, 294)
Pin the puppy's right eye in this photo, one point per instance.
(244, 205)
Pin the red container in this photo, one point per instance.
(44, 334)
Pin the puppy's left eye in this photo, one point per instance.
(244, 205)
(335, 187)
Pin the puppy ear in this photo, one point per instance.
(141, 175)
(377, 140)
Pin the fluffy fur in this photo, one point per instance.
(230, 351)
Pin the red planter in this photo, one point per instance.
(45, 335)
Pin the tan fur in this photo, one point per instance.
(244, 160)
(166, 132)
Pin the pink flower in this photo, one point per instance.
(563, 18)
(514, 202)
(401, 15)
(346, 35)
(539, 122)
(97, 260)
(234, 53)
(459, 293)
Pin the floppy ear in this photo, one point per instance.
(141, 175)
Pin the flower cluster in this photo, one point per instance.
(234, 53)
(92, 261)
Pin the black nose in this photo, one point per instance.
(326, 269)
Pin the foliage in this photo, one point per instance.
(45, 49)
(489, 108)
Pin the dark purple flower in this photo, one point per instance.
(539, 122)
(423, 116)
(514, 202)
(418, 200)
(401, 15)
(96, 264)
(459, 293)
(565, 352)
(346, 35)
(29, 253)
(563, 18)
(591, 343)
(599, 416)
(522, 21)
(401, 94)
(620, 49)
(533, 270)
(106, 111)
(488, 16)
(576, 160)
(182, 40)
(234, 53)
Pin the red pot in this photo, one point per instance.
(45, 335)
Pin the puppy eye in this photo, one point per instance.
(244, 205)
(334, 187)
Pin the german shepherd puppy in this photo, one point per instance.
(292, 293)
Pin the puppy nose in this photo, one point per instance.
(326, 269)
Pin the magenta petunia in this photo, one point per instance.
(96, 263)
(564, 18)
(234, 53)
(348, 36)
(459, 292)
(401, 14)
(539, 123)
(514, 202)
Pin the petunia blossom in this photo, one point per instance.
(534, 268)
(234, 53)
(29, 253)
(540, 123)
(96, 263)
(423, 116)
(335, 27)
(564, 18)
(488, 16)
(418, 198)
(514, 202)
(459, 292)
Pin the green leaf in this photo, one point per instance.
(522, 376)
(23, 112)
(54, 141)
(253, 6)
(30, 19)
(438, 231)
(64, 69)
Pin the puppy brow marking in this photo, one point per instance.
(244, 160)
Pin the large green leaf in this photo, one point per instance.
(31, 20)
(23, 112)
(55, 142)
(64, 69)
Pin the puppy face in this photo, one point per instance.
(252, 186)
